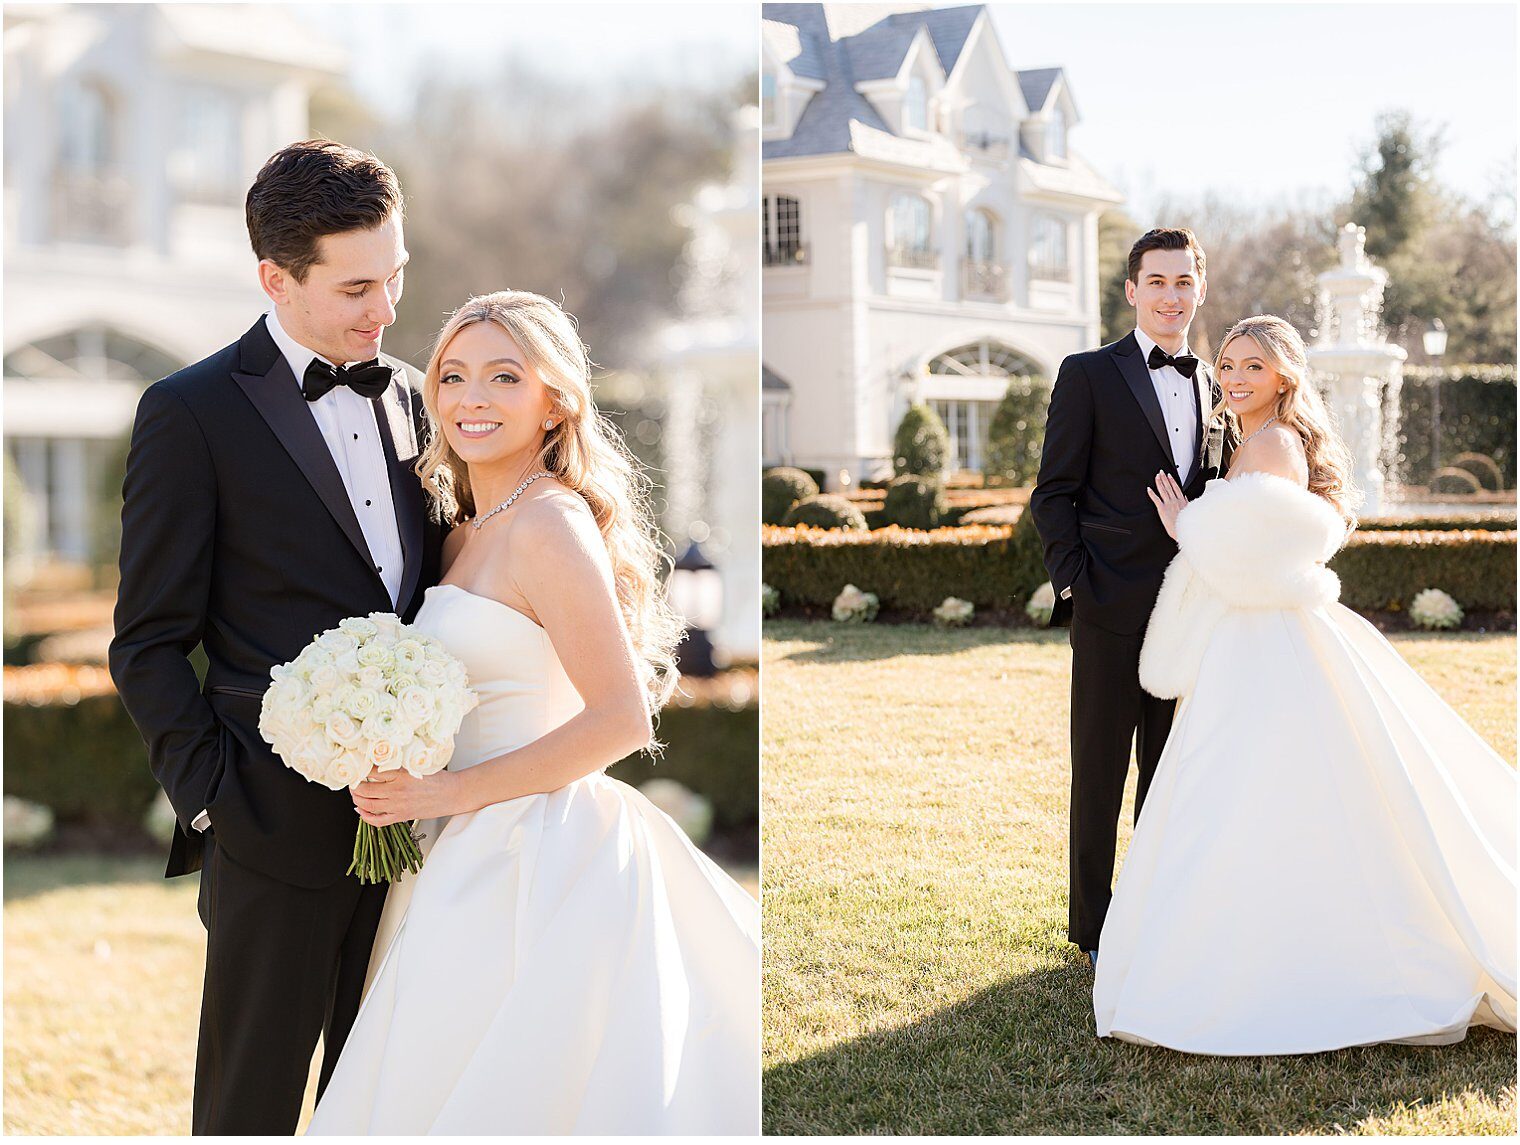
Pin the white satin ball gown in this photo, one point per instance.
(563, 963)
(1326, 855)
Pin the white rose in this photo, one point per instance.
(322, 707)
(336, 642)
(313, 757)
(387, 625)
(432, 674)
(359, 626)
(348, 663)
(382, 753)
(371, 678)
(377, 656)
(425, 758)
(362, 703)
(343, 730)
(410, 654)
(350, 768)
(324, 677)
(416, 705)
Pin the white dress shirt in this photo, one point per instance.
(347, 422)
(1175, 394)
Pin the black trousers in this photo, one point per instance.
(1110, 713)
(283, 965)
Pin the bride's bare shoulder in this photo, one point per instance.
(1277, 450)
(554, 525)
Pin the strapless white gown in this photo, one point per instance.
(564, 963)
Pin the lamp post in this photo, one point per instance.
(696, 593)
(1435, 348)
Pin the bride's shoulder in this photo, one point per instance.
(554, 525)
(1277, 450)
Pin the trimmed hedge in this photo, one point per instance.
(1017, 433)
(915, 503)
(1454, 522)
(1477, 416)
(921, 444)
(85, 760)
(780, 489)
(998, 567)
(825, 511)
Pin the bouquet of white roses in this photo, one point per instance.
(370, 693)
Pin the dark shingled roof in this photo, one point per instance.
(877, 53)
(824, 128)
(1036, 84)
(949, 28)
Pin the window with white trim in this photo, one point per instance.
(781, 223)
(916, 105)
(1048, 255)
(911, 241)
(1056, 139)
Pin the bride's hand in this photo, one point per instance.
(1169, 503)
(387, 797)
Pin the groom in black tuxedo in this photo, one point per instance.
(269, 493)
(1119, 416)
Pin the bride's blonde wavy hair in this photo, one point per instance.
(1300, 408)
(585, 452)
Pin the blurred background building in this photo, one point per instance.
(131, 134)
(929, 229)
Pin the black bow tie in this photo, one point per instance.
(1184, 364)
(369, 379)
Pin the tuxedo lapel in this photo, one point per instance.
(267, 381)
(1132, 367)
(1210, 428)
(398, 436)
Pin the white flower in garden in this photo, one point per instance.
(1042, 602)
(854, 605)
(770, 600)
(954, 612)
(1433, 608)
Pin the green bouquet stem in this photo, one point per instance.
(384, 854)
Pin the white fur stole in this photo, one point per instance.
(1255, 542)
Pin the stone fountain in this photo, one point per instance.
(1353, 365)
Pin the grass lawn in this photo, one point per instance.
(917, 974)
(103, 967)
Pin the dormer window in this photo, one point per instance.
(768, 110)
(916, 105)
(1056, 137)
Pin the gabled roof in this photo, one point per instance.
(799, 51)
(949, 28)
(1036, 84)
(770, 380)
(839, 119)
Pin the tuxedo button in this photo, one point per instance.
(379, 569)
(356, 437)
(366, 502)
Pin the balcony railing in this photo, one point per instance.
(92, 207)
(912, 258)
(786, 254)
(985, 280)
(1042, 273)
(985, 143)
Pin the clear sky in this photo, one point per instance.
(667, 45)
(1268, 102)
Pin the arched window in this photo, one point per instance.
(916, 105)
(781, 223)
(968, 420)
(1048, 255)
(911, 241)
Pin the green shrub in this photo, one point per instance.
(86, 761)
(1385, 570)
(825, 511)
(780, 489)
(1477, 416)
(1451, 522)
(921, 445)
(1000, 567)
(914, 503)
(1017, 432)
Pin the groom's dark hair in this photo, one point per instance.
(313, 188)
(1164, 238)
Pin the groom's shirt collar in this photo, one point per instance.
(1145, 340)
(294, 353)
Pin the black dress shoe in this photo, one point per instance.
(1092, 957)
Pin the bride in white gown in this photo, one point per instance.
(1327, 852)
(566, 961)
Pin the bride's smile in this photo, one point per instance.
(492, 404)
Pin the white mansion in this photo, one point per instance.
(928, 230)
(132, 132)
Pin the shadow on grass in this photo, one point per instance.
(1022, 1058)
(27, 876)
(832, 643)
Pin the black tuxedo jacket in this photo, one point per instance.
(1105, 441)
(238, 534)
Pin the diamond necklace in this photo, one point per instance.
(1238, 448)
(516, 493)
